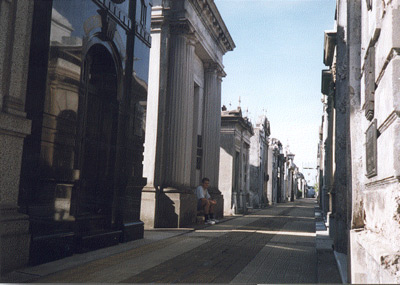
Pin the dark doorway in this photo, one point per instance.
(97, 155)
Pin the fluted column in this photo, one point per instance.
(217, 128)
(179, 107)
(210, 160)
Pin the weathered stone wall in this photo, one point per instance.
(373, 33)
(15, 27)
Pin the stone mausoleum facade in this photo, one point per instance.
(277, 170)
(234, 170)
(189, 39)
(361, 183)
(73, 90)
(260, 194)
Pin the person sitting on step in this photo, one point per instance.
(204, 202)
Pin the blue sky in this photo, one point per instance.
(276, 66)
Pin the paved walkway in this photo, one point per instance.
(273, 245)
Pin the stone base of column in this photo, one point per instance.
(176, 208)
(14, 239)
(170, 208)
(148, 207)
(332, 227)
(219, 210)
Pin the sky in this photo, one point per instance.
(276, 66)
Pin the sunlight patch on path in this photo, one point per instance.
(277, 217)
(286, 248)
(304, 234)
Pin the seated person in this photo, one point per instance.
(204, 202)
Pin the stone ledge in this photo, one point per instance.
(385, 255)
(14, 125)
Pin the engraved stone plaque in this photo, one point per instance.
(371, 149)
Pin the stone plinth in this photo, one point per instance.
(175, 208)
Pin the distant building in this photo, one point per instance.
(189, 39)
(302, 185)
(277, 172)
(234, 170)
(260, 193)
(290, 168)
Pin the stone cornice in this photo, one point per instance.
(212, 19)
(327, 85)
(329, 47)
(388, 122)
(246, 125)
(158, 17)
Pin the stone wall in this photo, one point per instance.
(365, 201)
(376, 202)
(15, 23)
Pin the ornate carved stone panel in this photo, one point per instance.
(369, 80)
(371, 149)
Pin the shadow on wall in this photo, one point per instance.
(257, 197)
(166, 212)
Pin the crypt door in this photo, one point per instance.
(99, 126)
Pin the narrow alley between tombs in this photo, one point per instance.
(272, 245)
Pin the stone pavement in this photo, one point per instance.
(278, 244)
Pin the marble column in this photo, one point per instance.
(211, 131)
(179, 107)
(15, 23)
(209, 167)
(154, 123)
(217, 127)
(175, 203)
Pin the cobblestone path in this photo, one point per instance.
(273, 245)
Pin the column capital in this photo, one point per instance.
(184, 28)
(210, 67)
(181, 27)
(191, 39)
(214, 67)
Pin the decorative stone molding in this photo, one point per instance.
(108, 25)
(326, 84)
(371, 150)
(392, 54)
(388, 122)
(182, 27)
(369, 81)
(329, 47)
(210, 16)
(378, 184)
(211, 66)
